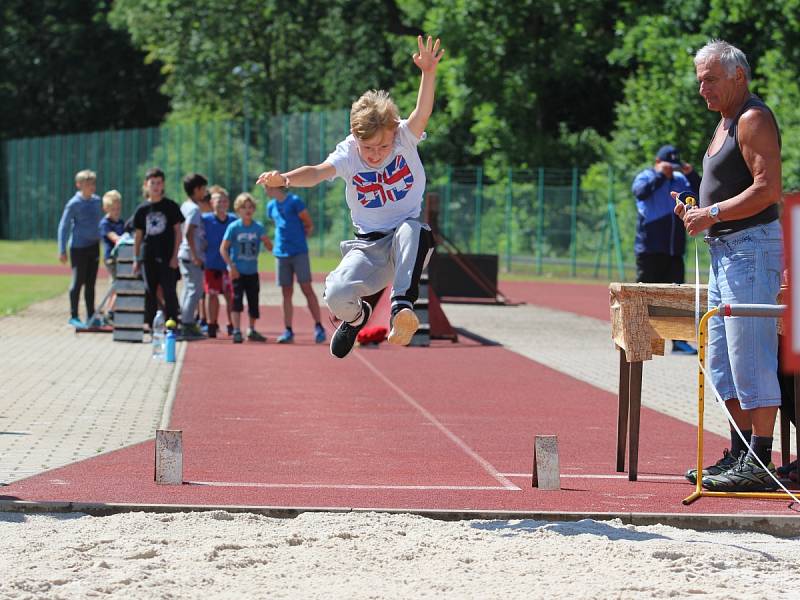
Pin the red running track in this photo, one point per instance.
(450, 427)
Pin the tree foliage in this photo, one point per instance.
(63, 69)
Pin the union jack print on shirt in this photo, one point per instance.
(375, 188)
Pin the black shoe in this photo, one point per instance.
(746, 476)
(787, 470)
(212, 330)
(344, 337)
(728, 461)
(237, 337)
(230, 329)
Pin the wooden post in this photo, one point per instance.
(546, 470)
(169, 457)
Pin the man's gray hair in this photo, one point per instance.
(728, 55)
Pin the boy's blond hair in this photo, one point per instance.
(109, 198)
(372, 113)
(85, 175)
(217, 189)
(243, 199)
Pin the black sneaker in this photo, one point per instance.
(230, 329)
(745, 476)
(254, 336)
(212, 330)
(237, 337)
(728, 461)
(344, 337)
(787, 470)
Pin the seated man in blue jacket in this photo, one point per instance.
(660, 235)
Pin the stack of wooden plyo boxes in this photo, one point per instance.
(129, 306)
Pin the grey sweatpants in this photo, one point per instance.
(369, 266)
(192, 290)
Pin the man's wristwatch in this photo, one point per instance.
(713, 212)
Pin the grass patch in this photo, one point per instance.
(29, 252)
(20, 291)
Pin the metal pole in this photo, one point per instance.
(574, 223)
(447, 196)
(509, 200)
(246, 154)
(321, 188)
(540, 221)
(478, 208)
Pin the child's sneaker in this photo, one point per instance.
(95, 323)
(404, 325)
(345, 335)
(76, 323)
(237, 337)
(319, 334)
(287, 337)
(254, 336)
(212, 330)
(230, 329)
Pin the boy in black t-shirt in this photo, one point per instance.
(157, 226)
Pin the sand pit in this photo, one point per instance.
(372, 555)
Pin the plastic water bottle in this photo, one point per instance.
(169, 346)
(157, 333)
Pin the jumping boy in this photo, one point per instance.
(293, 225)
(239, 250)
(157, 225)
(385, 185)
(216, 278)
(79, 225)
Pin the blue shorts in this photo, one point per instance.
(289, 267)
(746, 268)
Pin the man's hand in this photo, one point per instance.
(197, 262)
(695, 220)
(233, 271)
(272, 179)
(62, 259)
(429, 55)
(173, 262)
(686, 168)
(136, 267)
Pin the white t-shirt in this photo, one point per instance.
(382, 198)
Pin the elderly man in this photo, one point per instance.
(739, 197)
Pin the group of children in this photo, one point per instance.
(385, 184)
(201, 242)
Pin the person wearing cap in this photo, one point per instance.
(660, 235)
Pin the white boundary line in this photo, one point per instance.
(596, 476)
(347, 486)
(172, 391)
(452, 436)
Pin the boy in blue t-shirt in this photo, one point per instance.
(111, 229)
(239, 249)
(216, 280)
(292, 227)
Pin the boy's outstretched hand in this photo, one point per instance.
(429, 55)
(272, 179)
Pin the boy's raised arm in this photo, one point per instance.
(427, 59)
(305, 176)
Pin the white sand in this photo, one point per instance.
(371, 555)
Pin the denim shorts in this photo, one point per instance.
(746, 268)
(289, 267)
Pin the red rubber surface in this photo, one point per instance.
(389, 428)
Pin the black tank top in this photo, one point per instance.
(725, 175)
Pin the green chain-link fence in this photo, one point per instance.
(538, 221)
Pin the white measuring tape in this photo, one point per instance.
(710, 383)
